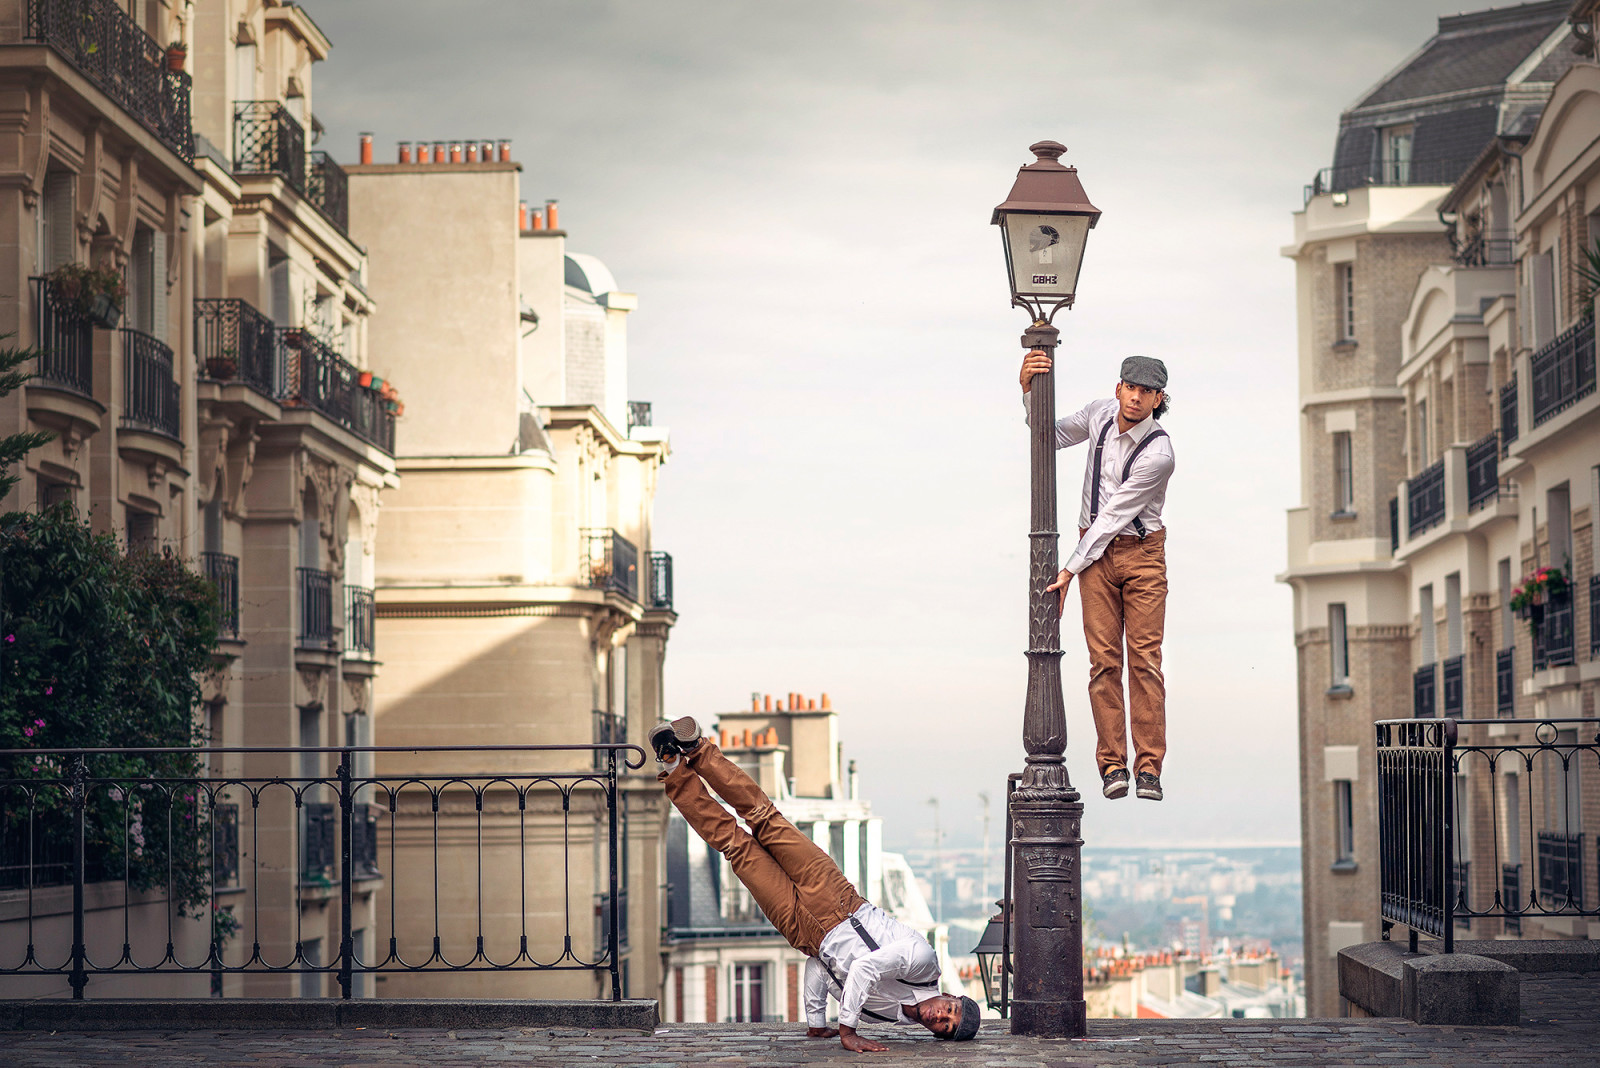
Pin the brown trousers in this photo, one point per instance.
(1124, 594)
(797, 885)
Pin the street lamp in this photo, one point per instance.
(993, 959)
(1045, 223)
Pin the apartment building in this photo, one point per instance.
(520, 599)
(1439, 290)
(224, 415)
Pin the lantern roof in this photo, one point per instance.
(1047, 185)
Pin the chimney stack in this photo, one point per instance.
(455, 152)
(550, 214)
(405, 151)
(505, 151)
(538, 219)
(366, 148)
(522, 216)
(472, 151)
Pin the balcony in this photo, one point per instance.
(1488, 248)
(127, 64)
(268, 140)
(1483, 471)
(1553, 638)
(1423, 692)
(360, 623)
(1560, 869)
(150, 393)
(329, 189)
(316, 607)
(661, 580)
(1563, 372)
(223, 571)
(1452, 678)
(610, 562)
(1387, 171)
(65, 338)
(320, 379)
(638, 414)
(233, 340)
(1425, 500)
(1505, 693)
(1508, 415)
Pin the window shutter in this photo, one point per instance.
(279, 277)
(158, 287)
(61, 245)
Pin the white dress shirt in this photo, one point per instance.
(903, 969)
(1142, 496)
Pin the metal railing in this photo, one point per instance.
(638, 414)
(1424, 692)
(1563, 372)
(1427, 780)
(1594, 617)
(1508, 415)
(1451, 682)
(1488, 248)
(127, 64)
(65, 338)
(360, 621)
(1483, 471)
(1554, 640)
(1505, 691)
(150, 393)
(1394, 525)
(328, 188)
(223, 571)
(1385, 170)
(316, 607)
(233, 339)
(80, 816)
(660, 580)
(269, 140)
(1425, 499)
(320, 379)
(608, 561)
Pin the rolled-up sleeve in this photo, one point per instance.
(816, 987)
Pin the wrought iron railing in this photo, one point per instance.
(1386, 170)
(1563, 372)
(150, 393)
(608, 561)
(1424, 692)
(233, 339)
(65, 338)
(1505, 691)
(1508, 415)
(316, 607)
(1554, 640)
(320, 379)
(329, 189)
(1425, 499)
(1488, 248)
(1483, 471)
(87, 816)
(360, 621)
(1451, 680)
(1460, 882)
(661, 580)
(638, 414)
(610, 728)
(223, 571)
(127, 64)
(1427, 780)
(269, 140)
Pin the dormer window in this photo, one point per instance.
(1396, 160)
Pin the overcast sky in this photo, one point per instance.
(800, 192)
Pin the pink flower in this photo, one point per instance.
(27, 732)
(48, 690)
(38, 723)
(11, 637)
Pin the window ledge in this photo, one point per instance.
(1340, 692)
(1344, 866)
(1347, 344)
(1341, 517)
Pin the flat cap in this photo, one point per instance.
(1146, 371)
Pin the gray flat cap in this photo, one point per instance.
(1146, 371)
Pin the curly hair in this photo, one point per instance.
(1165, 405)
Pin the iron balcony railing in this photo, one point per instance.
(65, 338)
(316, 607)
(1505, 692)
(1385, 170)
(1488, 248)
(1594, 617)
(328, 188)
(661, 580)
(234, 340)
(127, 64)
(1428, 780)
(1451, 679)
(1563, 372)
(1554, 642)
(608, 561)
(150, 393)
(320, 379)
(638, 414)
(1483, 471)
(158, 820)
(269, 140)
(1425, 499)
(360, 621)
(1424, 692)
(223, 571)
(1394, 525)
(1508, 415)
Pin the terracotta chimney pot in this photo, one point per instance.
(522, 215)
(422, 152)
(505, 151)
(472, 151)
(826, 704)
(538, 219)
(439, 152)
(769, 703)
(366, 148)
(405, 151)
(455, 152)
(550, 215)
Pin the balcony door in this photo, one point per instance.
(749, 990)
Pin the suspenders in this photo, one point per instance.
(873, 946)
(1127, 468)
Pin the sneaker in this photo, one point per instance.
(1148, 786)
(1115, 783)
(675, 739)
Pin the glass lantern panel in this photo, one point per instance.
(1046, 252)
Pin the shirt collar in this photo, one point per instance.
(1138, 431)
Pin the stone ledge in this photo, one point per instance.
(1382, 979)
(118, 1014)
(1532, 955)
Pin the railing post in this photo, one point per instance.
(346, 888)
(79, 797)
(1447, 771)
(612, 934)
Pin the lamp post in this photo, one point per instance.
(1045, 224)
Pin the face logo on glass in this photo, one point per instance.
(1041, 243)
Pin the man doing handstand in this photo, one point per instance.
(875, 965)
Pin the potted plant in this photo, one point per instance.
(224, 365)
(177, 53)
(96, 293)
(1529, 598)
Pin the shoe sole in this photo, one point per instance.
(1115, 790)
(673, 737)
(685, 730)
(1149, 794)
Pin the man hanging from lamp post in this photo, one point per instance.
(1121, 563)
(876, 966)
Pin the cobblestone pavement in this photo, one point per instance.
(1561, 1029)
